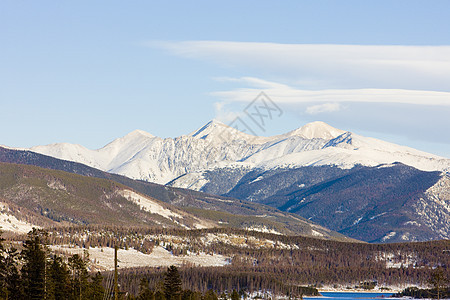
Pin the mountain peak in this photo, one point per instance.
(212, 127)
(218, 132)
(139, 132)
(317, 130)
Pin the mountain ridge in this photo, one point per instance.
(219, 211)
(140, 155)
(219, 160)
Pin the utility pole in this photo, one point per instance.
(116, 275)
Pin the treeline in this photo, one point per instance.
(275, 280)
(34, 273)
(290, 261)
(415, 292)
(217, 279)
(440, 282)
(284, 252)
(170, 286)
(280, 267)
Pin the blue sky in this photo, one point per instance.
(87, 72)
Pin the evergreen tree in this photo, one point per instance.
(10, 281)
(159, 295)
(34, 269)
(96, 290)
(172, 284)
(78, 268)
(235, 295)
(190, 295)
(144, 292)
(439, 281)
(59, 284)
(210, 295)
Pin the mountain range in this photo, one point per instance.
(141, 155)
(365, 188)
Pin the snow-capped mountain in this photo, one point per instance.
(140, 155)
(359, 186)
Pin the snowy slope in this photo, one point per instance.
(9, 222)
(140, 155)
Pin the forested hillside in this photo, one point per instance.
(260, 261)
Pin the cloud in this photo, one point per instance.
(398, 92)
(323, 108)
(328, 73)
(224, 113)
(328, 66)
(286, 94)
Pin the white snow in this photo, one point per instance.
(317, 130)
(145, 203)
(316, 233)
(103, 257)
(434, 210)
(389, 236)
(140, 155)
(263, 229)
(9, 222)
(257, 179)
(358, 220)
(155, 207)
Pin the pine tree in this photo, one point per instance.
(13, 278)
(144, 292)
(210, 295)
(172, 284)
(78, 268)
(159, 295)
(439, 281)
(235, 295)
(96, 290)
(34, 269)
(59, 284)
(10, 282)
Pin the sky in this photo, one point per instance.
(87, 72)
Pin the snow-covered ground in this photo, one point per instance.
(263, 229)
(103, 258)
(147, 204)
(9, 222)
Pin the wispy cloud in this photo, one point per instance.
(329, 66)
(323, 108)
(383, 89)
(287, 94)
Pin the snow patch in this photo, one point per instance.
(316, 233)
(104, 257)
(264, 229)
(148, 205)
(412, 223)
(9, 222)
(357, 221)
(257, 179)
(389, 236)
